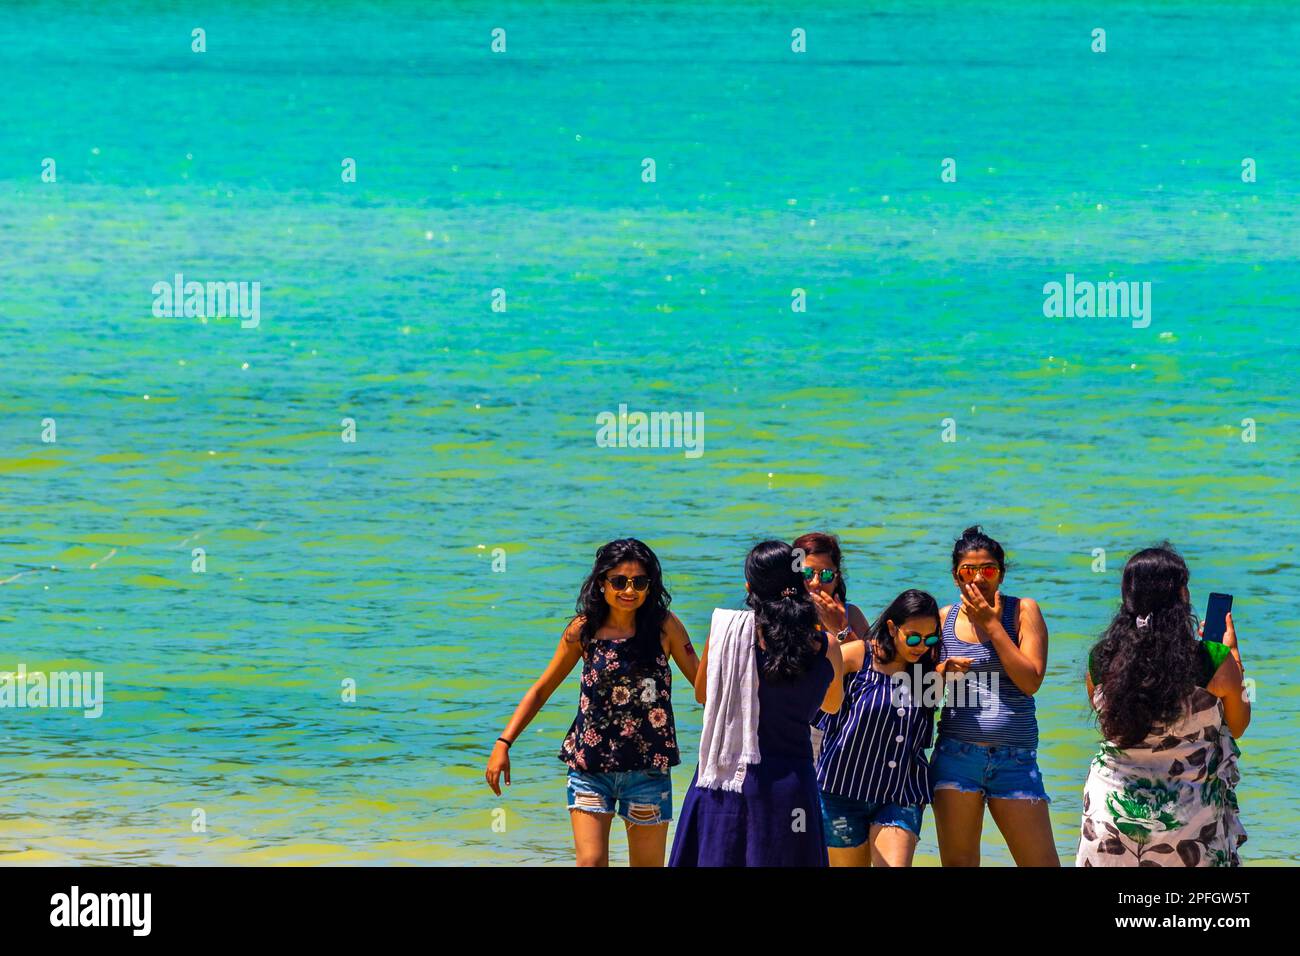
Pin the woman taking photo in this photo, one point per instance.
(988, 732)
(763, 675)
(873, 773)
(1161, 790)
(623, 740)
(820, 565)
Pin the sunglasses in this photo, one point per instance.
(619, 582)
(914, 639)
(826, 575)
(969, 571)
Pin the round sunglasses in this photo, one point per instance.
(619, 582)
(914, 639)
(826, 575)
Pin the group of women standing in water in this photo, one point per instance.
(816, 723)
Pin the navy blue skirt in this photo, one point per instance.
(776, 820)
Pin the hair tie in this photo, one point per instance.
(1144, 620)
(789, 592)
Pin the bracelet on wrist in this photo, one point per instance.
(504, 741)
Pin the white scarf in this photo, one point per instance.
(729, 737)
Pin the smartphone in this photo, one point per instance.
(1216, 616)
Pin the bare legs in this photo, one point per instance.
(884, 846)
(1024, 824)
(1027, 828)
(646, 843)
(958, 822)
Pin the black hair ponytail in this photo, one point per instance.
(974, 539)
(784, 614)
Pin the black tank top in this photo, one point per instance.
(625, 712)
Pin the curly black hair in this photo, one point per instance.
(1149, 657)
(784, 614)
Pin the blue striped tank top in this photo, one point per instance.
(990, 707)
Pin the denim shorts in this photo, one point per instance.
(1000, 773)
(640, 796)
(847, 822)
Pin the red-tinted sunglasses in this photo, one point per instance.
(988, 571)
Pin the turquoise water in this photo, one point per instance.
(371, 561)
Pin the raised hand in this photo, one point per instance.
(1230, 641)
(830, 610)
(977, 608)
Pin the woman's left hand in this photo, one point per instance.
(977, 608)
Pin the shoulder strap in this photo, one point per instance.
(1011, 617)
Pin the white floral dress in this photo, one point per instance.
(1170, 800)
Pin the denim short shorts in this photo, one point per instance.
(848, 822)
(1000, 773)
(640, 796)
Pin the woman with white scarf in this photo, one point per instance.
(762, 678)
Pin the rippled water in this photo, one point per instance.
(371, 561)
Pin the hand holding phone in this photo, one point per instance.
(1216, 617)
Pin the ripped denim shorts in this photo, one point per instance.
(848, 822)
(639, 796)
(1000, 773)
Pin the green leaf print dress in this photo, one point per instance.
(1169, 801)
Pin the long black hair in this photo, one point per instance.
(1148, 658)
(784, 614)
(650, 616)
(911, 603)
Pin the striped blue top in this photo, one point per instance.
(1000, 713)
(874, 750)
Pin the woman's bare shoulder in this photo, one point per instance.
(573, 632)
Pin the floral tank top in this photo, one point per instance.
(625, 713)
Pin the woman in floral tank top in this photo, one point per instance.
(625, 713)
(623, 740)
